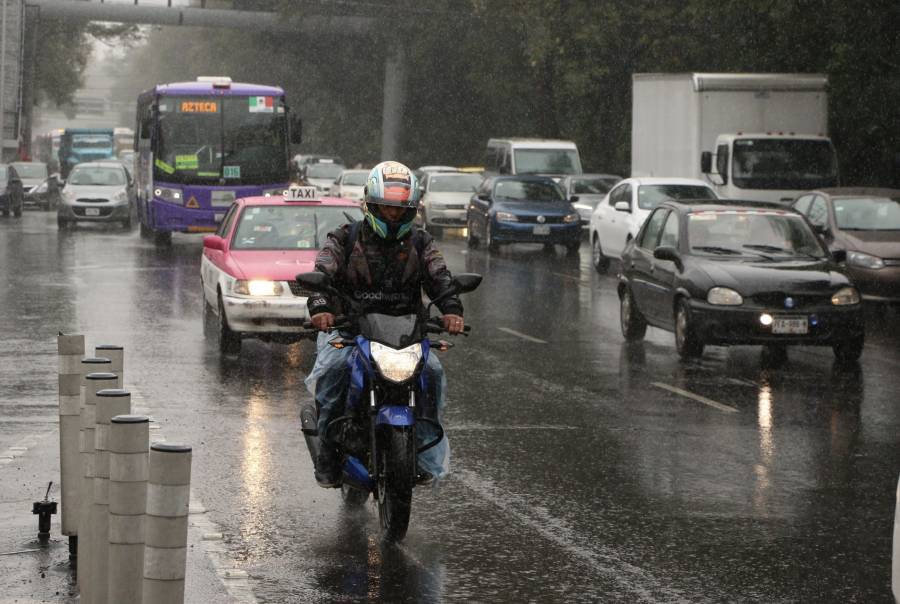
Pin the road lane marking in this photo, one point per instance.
(580, 280)
(696, 397)
(522, 335)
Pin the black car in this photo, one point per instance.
(12, 195)
(727, 273)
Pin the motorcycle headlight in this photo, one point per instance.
(168, 194)
(575, 217)
(845, 296)
(506, 217)
(724, 296)
(396, 365)
(864, 260)
(257, 287)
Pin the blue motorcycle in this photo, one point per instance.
(387, 399)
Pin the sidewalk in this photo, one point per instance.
(32, 573)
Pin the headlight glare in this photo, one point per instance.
(257, 287)
(396, 365)
(724, 296)
(279, 192)
(845, 297)
(576, 217)
(506, 217)
(863, 260)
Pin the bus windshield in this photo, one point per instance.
(784, 164)
(203, 140)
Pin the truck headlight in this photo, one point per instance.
(862, 260)
(168, 194)
(845, 297)
(724, 296)
(506, 217)
(257, 287)
(396, 365)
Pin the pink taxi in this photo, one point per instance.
(249, 265)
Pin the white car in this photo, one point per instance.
(618, 217)
(322, 174)
(350, 185)
(590, 189)
(445, 199)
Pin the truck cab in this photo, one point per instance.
(546, 157)
(771, 166)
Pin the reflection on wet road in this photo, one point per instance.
(586, 469)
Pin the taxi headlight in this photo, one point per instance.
(396, 365)
(575, 217)
(168, 194)
(257, 287)
(864, 260)
(724, 296)
(845, 297)
(506, 217)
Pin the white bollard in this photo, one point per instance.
(116, 356)
(94, 382)
(110, 403)
(71, 351)
(128, 473)
(895, 559)
(168, 498)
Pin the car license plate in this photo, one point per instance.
(542, 229)
(92, 211)
(790, 326)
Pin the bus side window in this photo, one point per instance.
(146, 122)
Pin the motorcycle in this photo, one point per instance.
(386, 401)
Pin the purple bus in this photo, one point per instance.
(201, 145)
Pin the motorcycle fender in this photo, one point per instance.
(395, 415)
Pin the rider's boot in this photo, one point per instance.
(328, 466)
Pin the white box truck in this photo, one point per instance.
(753, 136)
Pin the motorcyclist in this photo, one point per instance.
(385, 268)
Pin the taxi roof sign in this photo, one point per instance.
(301, 193)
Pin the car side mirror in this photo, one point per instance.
(706, 162)
(483, 198)
(622, 206)
(839, 256)
(214, 242)
(314, 281)
(573, 198)
(666, 252)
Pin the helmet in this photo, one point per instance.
(391, 183)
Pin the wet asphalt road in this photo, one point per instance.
(581, 474)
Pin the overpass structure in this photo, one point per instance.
(92, 10)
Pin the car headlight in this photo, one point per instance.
(506, 217)
(724, 296)
(845, 296)
(69, 195)
(279, 192)
(257, 287)
(168, 194)
(120, 196)
(576, 217)
(862, 260)
(396, 365)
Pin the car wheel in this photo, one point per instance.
(573, 248)
(634, 327)
(492, 245)
(600, 262)
(17, 212)
(162, 238)
(126, 224)
(848, 351)
(471, 239)
(229, 341)
(687, 342)
(146, 233)
(61, 223)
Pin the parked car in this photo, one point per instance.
(97, 192)
(865, 222)
(737, 273)
(249, 266)
(590, 189)
(32, 173)
(322, 174)
(526, 209)
(45, 195)
(445, 199)
(12, 193)
(616, 219)
(350, 184)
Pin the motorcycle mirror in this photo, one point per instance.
(466, 282)
(315, 281)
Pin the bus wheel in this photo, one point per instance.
(146, 233)
(162, 238)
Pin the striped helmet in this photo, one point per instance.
(391, 183)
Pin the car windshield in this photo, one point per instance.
(278, 227)
(867, 213)
(599, 185)
(91, 141)
(530, 190)
(784, 164)
(454, 183)
(26, 170)
(650, 196)
(547, 161)
(751, 232)
(354, 179)
(97, 176)
(322, 170)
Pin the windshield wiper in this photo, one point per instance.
(715, 249)
(780, 250)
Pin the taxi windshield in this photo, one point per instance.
(299, 227)
(759, 234)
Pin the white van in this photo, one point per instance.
(532, 156)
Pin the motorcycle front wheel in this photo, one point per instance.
(397, 455)
(353, 498)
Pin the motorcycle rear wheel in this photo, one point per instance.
(396, 480)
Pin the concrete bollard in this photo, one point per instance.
(71, 350)
(168, 499)
(116, 356)
(94, 382)
(128, 473)
(110, 402)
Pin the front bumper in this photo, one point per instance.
(437, 215)
(172, 217)
(94, 212)
(881, 285)
(273, 314)
(724, 325)
(524, 232)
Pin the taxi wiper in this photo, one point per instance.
(715, 249)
